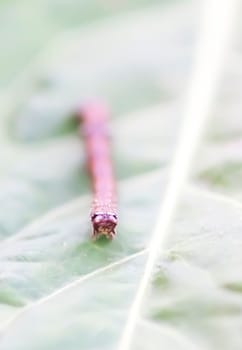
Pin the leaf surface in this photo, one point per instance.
(59, 290)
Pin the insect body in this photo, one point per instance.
(95, 130)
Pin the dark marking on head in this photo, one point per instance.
(104, 224)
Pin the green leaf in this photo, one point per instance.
(60, 290)
(80, 292)
(27, 26)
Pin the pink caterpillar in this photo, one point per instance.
(95, 130)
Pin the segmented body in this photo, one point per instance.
(95, 130)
